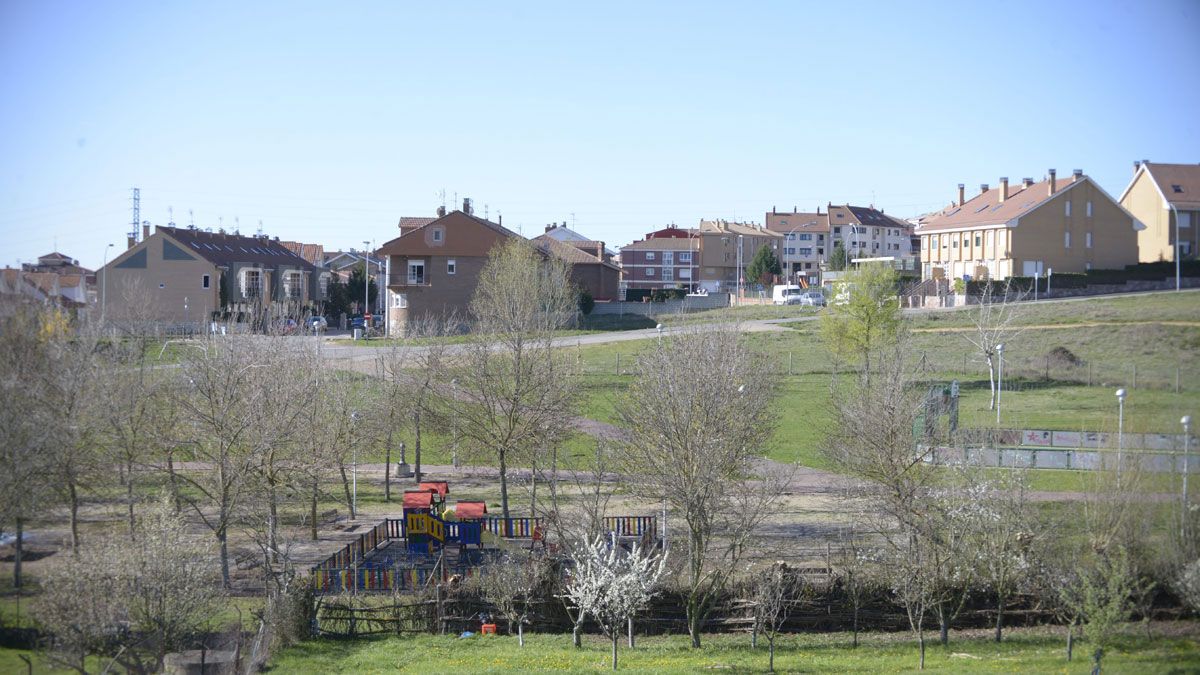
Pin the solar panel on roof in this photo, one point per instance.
(981, 208)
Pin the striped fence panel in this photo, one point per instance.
(631, 526)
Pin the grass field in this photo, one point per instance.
(1023, 651)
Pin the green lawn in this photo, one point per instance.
(1034, 650)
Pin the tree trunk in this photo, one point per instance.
(174, 482)
(1070, 639)
(313, 508)
(991, 363)
(614, 645)
(575, 639)
(222, 539)
(754, 636)
(129, 499)
(520, 633)
(694, 622)
(771, 658)
(943, 628)
(273, 526)
(855, 643)
(18, 549)
(417, 448)
(921, 643)
(629, 629)
(74, 518)
(387, 468)
(504, 487)
(999, 618)
(346, 489)
(1097, 656)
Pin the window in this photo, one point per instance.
(666, 275)
(790, 235)
(954, 242)
(1068, 207)
(806, 237)
(837, 230)
(323, 281)
(1177, 189)
(805, 251)
(204, 283)
(416, 272)
(649, 255)
(820, 251)
(991, 238)
(437, 234)
(400, 300)
(1087, 266)
(293, 285)
(650, 272)
(808, 266)
(1066, 240)
(789, 251)
(978, 239)
(1185, 218)
(668, 258)
(1087, 240)
(685, 257)
(841, 215)
(685, 273)
(1089, 209)
(251, 283)
(451, 266)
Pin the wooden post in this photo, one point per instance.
(791, 373)
(618, 363)
(1176, 379)
(1134, 386)
(1047, 367)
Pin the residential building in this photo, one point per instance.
(341, 264)
(805, 246)
(724, 245)
(192, 275)
(315, 255)
(1166, 199)
(590, 270)
(568, 236)
(866, 232)
(666, 258)
(1069, 225)
(69, 290)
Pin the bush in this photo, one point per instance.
(586, 302)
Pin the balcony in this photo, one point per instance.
(404, 280)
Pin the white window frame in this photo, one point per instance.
(1089, 208)
(293, 285)
(668, 258)
(649, 255)
(438, 235)
(1067, 239)
(685, 257)
(1087, 239)
(412, 279)
(205, 281)
(452, 267)
(651, 272)
(323, 281)
(806, 236)
(667, 274)
(399, 300)
(243, 282)
(805, 251)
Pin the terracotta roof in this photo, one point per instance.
(56, 256)
(441, 487)
(313, 253)
(1178, 183)
(987, 209)
(662, 245)
(413, 222)
(466, 510)
(725, 226)
(225, 249)
(569, 253)
(800, 222)
(418, 500)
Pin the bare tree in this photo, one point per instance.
(411, 371)
(1006, 538)
(994, 322)
(80, 609)
(513, 585)
(513, 387)
(697, 415)
(776, 589)
(611, 584)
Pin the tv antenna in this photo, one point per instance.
(171, 216)
(191, 220)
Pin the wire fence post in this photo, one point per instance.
(1176, 379)
(1134, 385)
(791, 373)
(618, 363)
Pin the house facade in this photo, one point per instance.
(666, 258)
(720, 244)
(1166, 199)
(1069, 225)
(806, 242)
(186, 275)
(591, 269)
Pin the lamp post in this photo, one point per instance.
(1186, 421)
(739, 271)
(1172, 207)
(354, 417)
(1120, 431)
(999, 379)
(104, 286)
(454, 440)
(366, 284)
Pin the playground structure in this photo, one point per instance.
(434, 542)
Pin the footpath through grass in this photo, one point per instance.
(1023, 651)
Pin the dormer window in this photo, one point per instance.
(1177, 189)
(437, 235)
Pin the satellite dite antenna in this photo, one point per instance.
(442, 196)
(260, 227)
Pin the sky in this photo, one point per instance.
(327, 122)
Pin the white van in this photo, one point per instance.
(787, 295)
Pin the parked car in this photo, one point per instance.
(316, 323)
(786, 295)
(813, 299)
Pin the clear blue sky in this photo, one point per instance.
(329, 121)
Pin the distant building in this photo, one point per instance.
(720, 244)
(191, 275)
(1161, 196)
(1068, 225)
(806, 243)
(666, 258)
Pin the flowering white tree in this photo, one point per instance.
(611, 584)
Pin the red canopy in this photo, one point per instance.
(418, 500)
(470, 510)
(441, 487)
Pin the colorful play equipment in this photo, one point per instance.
(434, 542)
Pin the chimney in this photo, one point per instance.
(1076, 175)
(131, 241)
(794, 209)
(983, 187)
(1027, 182)
(1053, 182)
(145, 230)
(467, 205)
(773, 209)
(549, 227)
(600, 250)
(441, 211)
(962, 194)
(1003, 188)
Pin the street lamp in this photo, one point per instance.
(104, 286)
(354, 417)
(1172, 207)
(999, 380)
(366, 285)
(1186, 421)
(1120, 431)
(454, 440)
